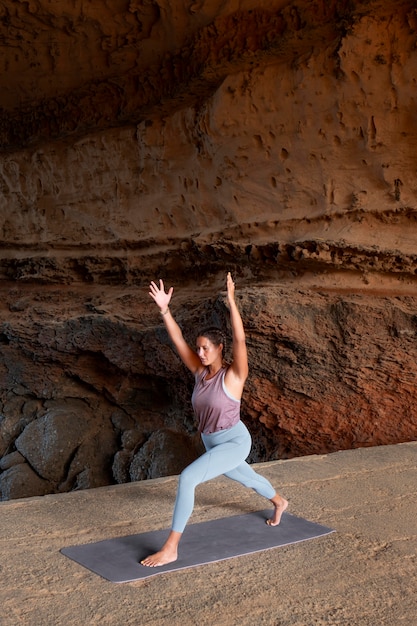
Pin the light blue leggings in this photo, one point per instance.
(226, 451)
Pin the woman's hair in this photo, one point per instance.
(214, 334)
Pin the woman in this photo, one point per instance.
(216, 402)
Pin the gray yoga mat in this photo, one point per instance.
(118, 559)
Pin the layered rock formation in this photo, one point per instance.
(158, 138)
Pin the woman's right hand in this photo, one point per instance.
(158, 294)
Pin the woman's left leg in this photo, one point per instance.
(246, 475)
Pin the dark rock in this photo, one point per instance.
(164, 454)
(20, 481)
(9, 460)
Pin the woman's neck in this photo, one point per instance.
(213, 369)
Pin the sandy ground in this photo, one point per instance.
(363, 574)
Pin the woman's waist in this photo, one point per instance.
(213, 429)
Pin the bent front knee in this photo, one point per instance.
(187, 480)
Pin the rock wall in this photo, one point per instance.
(274, 139)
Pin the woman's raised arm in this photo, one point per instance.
(162, 299)
(239, 369)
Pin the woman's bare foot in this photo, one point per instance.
(280, 505)
(167, 554)
(162, 557)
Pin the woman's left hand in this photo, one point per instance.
(230, 287)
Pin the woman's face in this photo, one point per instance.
(207, 351)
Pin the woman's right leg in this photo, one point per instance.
(226, 450)
(189, 478)
(167, 554)
(193, 475)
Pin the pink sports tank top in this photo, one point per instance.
(215, 408)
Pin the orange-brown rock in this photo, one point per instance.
(154, 138)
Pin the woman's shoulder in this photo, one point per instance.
(200, 373)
